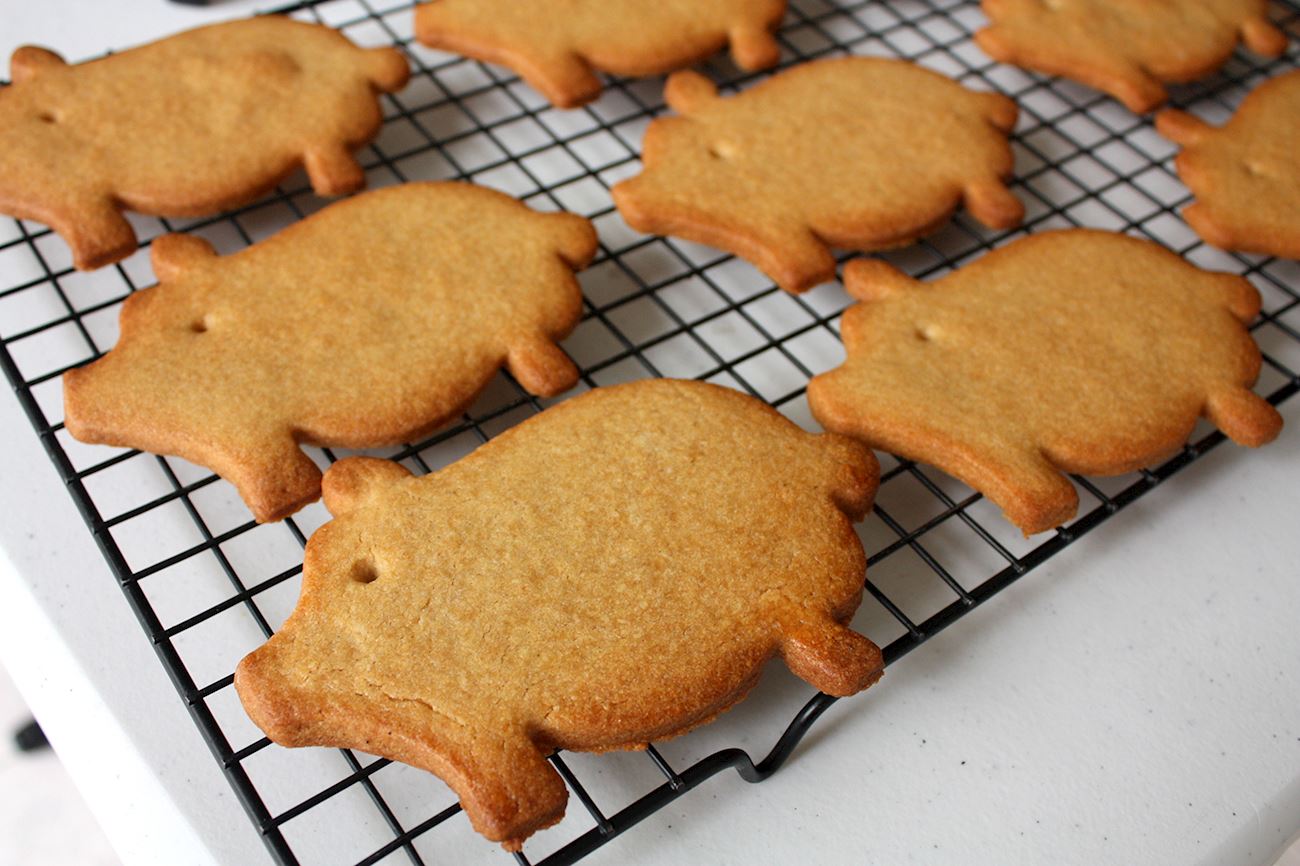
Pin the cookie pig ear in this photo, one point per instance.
(387, 69)
(575, 238)
(28, 61)
(1181, 127)
(352, 481)
(1001, 111)
(688, 91)
(872, 279)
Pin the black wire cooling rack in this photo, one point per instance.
(208, 584)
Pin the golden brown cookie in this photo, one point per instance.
(613, 571)
(1072, 351)
(862, 153)
(558, 45)
(201, 121)
(1127, 48)
(1246, 174)
(369, 323)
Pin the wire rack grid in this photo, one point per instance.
(208, 584)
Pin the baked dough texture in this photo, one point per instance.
(1246, 174)
(370, 323)
(558, 45)
(1072, 351)
(1127, 48)
(861, 153)
(201, 121)
(613, 571)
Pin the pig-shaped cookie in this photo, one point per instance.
(857, 152)
(1072, 351)
(1127, 48)
(613, 571)
(369, 323)
(201, 121)
(557, 45)
(1246, 174)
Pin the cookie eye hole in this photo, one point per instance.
(199, 325)
(721, 150)
(363, 571)
(926, 333)
(47, 117)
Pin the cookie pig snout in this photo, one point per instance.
(89, 402)
(258, 679)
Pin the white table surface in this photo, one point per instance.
(1135, 700)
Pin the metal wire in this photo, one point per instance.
(652, 307)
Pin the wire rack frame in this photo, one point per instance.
(1081, 160)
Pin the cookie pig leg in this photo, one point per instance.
(509, 790)
(754, 48)
(97, 233)
(1138, 89)
(797, 261)
(831, 657)
(1243, 416)
(387, 69)
(333, 170)
(274, 478)
(565, 79)
(541, 366)
(1031, 491)
(1263, 37)
(990, 202)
